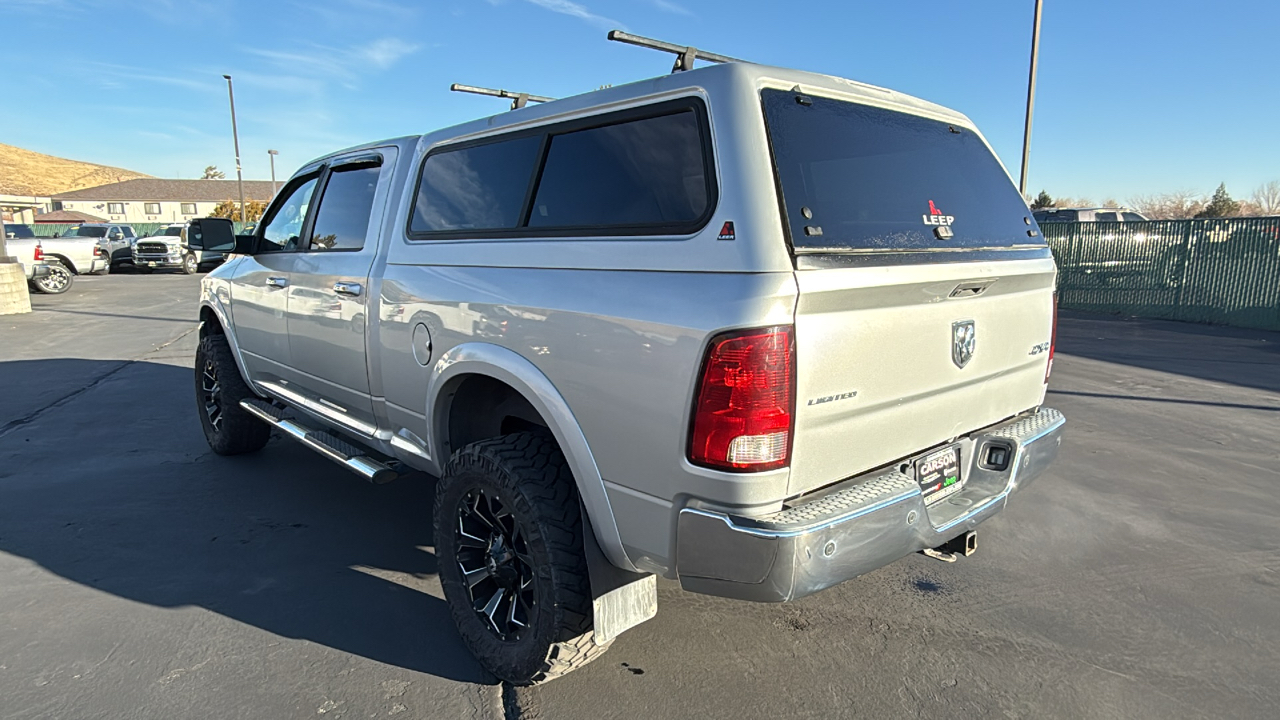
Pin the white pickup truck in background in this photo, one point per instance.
(51, 278)
(81, 249)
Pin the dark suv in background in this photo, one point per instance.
(1052, 215)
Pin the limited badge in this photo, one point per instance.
(726, 231)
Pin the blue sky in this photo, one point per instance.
(1134, 97)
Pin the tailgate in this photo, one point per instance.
(879, 373)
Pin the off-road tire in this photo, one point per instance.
(528, 473)
(237, 432)
(56, 282)
(189, 264)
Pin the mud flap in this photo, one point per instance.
(620, 600)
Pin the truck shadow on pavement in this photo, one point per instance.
(1237, 356)
(117, 490)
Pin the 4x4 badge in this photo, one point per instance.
(964, 340)
(726, 231)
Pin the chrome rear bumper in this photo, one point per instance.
(860, 524)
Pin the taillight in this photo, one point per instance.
(39, 253)
(742, 417)
(1053, 338)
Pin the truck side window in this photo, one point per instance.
(640, 172)
(342, 219)
(1105, 217)
(1131, 217)
(282, 230)
(475, 188)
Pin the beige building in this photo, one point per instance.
(152, 200)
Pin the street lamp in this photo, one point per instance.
(236, 137)
(1031, 98)
(271, 154)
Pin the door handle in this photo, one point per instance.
(348, 288)
(277, 282)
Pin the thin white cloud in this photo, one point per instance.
(363, 13)
(668, 6)
(573, 9)
(342, 64)
(188, 82)
(385, 52)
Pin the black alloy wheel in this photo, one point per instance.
(509, 539)
(210, 394)
(496, 568)
(229, 428)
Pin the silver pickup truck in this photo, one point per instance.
(756, 330)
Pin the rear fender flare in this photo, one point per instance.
(516, 371)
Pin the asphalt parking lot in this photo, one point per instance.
(141, 576)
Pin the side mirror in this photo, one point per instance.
(212, 234)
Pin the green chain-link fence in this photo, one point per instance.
(1223, 271)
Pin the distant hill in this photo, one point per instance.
(23, 172)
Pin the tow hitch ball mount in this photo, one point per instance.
(966, 544)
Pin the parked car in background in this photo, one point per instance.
(85, 249)
(167, 250)
(43, 275)
(1116, 246)
(1102, 214)
(18, 230)
(116, 240)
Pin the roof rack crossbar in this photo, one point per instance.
(685, 55)
(518, 99)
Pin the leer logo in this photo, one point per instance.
(935, 217)
(726, 231)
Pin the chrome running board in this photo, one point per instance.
(324, 442)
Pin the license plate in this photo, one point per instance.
(152, 263)
(939, 474)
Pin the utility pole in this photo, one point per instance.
(236, 137)
(1031, 99)
(271, 154)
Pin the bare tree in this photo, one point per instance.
(1177, 205)
(1267, 198)
(1071, 202)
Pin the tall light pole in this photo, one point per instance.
(1031, 98)
(272, 155)
(236, 137)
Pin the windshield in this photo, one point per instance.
(856, 177)
(170, 231)
(82, 231)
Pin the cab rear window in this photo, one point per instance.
(637, 172)
(856, 177)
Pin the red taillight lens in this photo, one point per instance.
(743, 412)
(39, 253)
(1053, 338)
